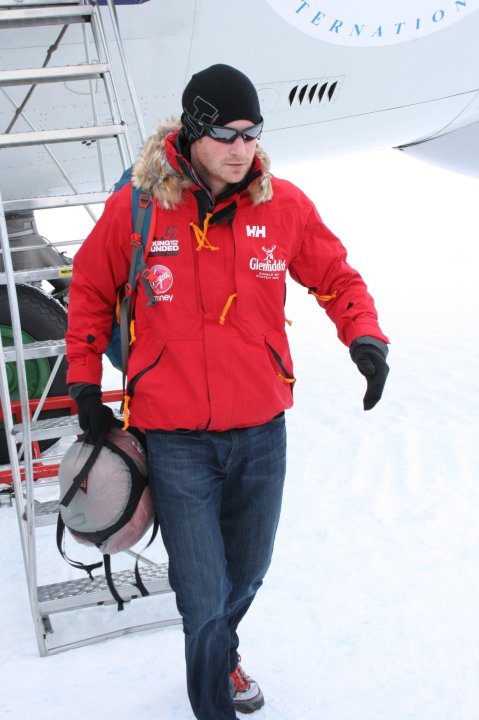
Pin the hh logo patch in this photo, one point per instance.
(162, 283)
(256, 231)
(168, 244)
(267, 267)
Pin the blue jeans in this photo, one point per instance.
(218, 499)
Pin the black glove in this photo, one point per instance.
(94, 417)
(371, 362)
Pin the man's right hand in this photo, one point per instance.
(93, 416)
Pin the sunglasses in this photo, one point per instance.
(229, 135)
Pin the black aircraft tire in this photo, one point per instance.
(42, 318)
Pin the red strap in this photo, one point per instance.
(144, 200)
(148, 274)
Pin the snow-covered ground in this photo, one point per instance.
(369, 611)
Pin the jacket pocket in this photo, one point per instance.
(144, 371)
(279, 365)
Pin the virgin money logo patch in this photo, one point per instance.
(162, 283)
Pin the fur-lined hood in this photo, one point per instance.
(154, 173)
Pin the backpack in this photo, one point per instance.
(105, 499)
(143, 225)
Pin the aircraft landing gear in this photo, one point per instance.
(42, 318)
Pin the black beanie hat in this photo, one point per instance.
(217, 96)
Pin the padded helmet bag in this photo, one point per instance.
(105, 498)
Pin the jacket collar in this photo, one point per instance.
(162, 170)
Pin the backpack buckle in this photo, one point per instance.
(136, 240)
(147, 274)
(144, 200)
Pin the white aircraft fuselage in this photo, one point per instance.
(332, 77)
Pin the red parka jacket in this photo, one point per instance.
(212, 351)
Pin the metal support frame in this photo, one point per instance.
(86, 13)
(26, 468)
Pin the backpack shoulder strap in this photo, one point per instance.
(111, 585)
(139, 582)
(142, 204)
(124, 179)
(143, 222)
(61, 549)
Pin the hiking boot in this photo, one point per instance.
(246, 694)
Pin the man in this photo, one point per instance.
(210, 372)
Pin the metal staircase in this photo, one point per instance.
(30, 472)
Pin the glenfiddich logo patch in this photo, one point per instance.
(167, 244)
(267, 267)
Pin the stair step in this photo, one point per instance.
(46, 513)
(34, 76)
(84, 592)
(49, 429)
(40, 348)
(54, 201)
(34, 275)
(54, 15)
(46, 273)
(45, 137)
(62, 426)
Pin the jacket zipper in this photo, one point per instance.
(277, 357)
(133, 382)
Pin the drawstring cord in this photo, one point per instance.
(200, 234)
(226, 308)
(132, 332)
(324, 298)
(285, 379)
(126, 412)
